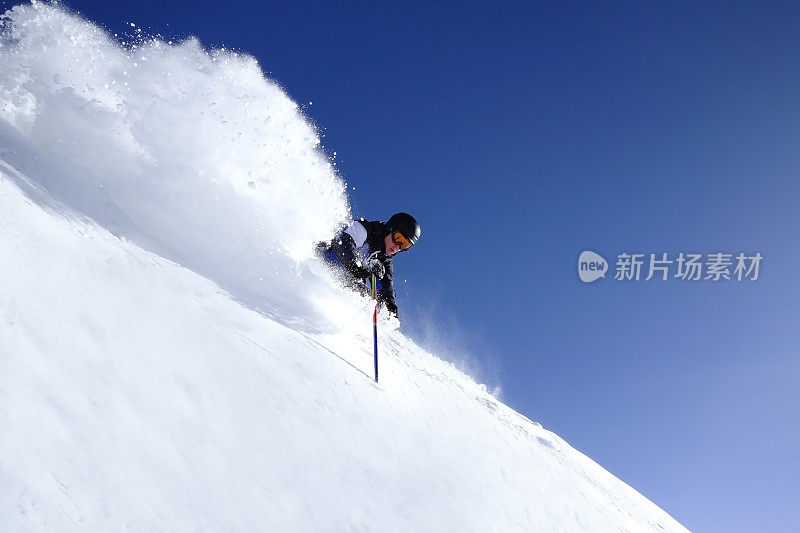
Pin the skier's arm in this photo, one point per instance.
(387, 293)
(345, 249)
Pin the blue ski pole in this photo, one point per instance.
(375, 325)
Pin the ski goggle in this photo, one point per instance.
(401, 241)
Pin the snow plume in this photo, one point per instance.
(440, 332)
(190, 153)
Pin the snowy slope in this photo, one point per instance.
(172, 358)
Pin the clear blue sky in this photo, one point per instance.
(521, 134)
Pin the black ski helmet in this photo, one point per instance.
(405, 224)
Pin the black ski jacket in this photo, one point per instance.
(350, 254)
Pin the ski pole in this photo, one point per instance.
(375, 326)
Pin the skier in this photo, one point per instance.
(365, 248)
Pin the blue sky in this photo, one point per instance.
(521, 134)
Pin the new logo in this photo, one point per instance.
(591, 266)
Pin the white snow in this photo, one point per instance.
(172, 357)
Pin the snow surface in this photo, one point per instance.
(171, 355)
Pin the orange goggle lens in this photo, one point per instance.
(401, 241)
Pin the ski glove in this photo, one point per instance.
(374, 266)
(391, 307)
